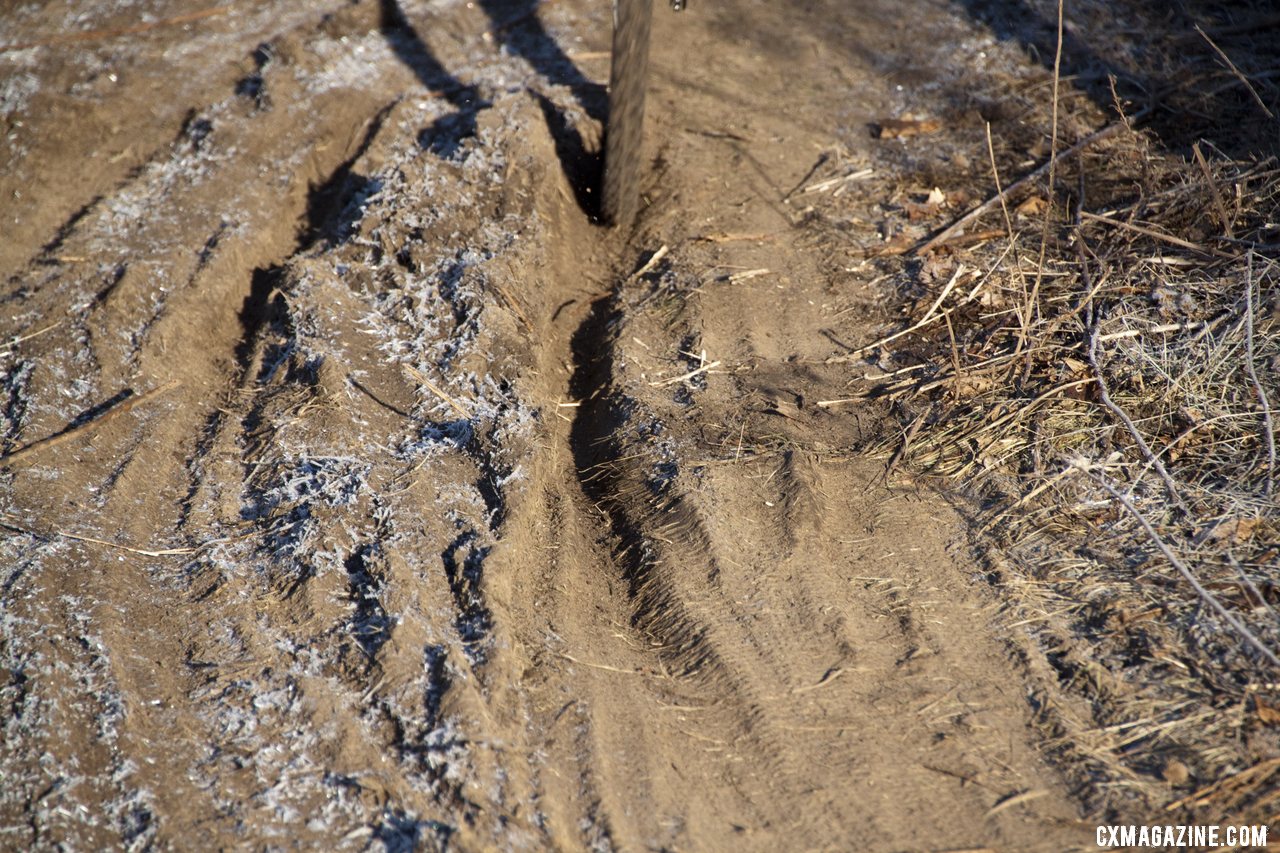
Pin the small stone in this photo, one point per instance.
(1175, 773)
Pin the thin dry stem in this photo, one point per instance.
(1205, 595)
(1236, 71)
(72, 432)
(928, 318)
(1223, 219)
(1268, 426)
(434, 389)
(1105, 396)
(946, 234)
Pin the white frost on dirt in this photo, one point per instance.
(321, 511)
(16, 91)
(38, 661)
(346, 62)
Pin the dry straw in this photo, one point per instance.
(1131, 325)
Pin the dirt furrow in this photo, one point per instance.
(121, 120)
(779, 607)
(205, 679)
(767, 642)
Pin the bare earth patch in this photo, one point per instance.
(361, 492)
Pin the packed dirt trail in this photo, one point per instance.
(458, 520)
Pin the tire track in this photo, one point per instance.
(103, 82)
(247, 359)
(674, 576)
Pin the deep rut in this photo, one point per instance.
(747, 681)
(762, 648)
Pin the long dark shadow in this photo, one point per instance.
(1229, 121)
(515, 25)
(445, 135)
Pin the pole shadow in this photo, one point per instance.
(515, 26)
(444, 136)
(1230, 121)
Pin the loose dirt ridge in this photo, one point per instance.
(429, 546)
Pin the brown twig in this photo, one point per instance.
(1031, 308)
(682, 377)
(72, 432)
(1236, 71)
(1181, 567)
(947, 233)
(434, 389)
(924, 321)
(1213, 190)
(1252, 587)
(1268, 427)
(13, 342)
(605, 666)
(113, 32)
(1148, 232)
(76, 537)
(1015, 800)
(1000, 193)
(1026, 499)
(970, 238)
(648, 265)
(1105, 396)
(906, 444)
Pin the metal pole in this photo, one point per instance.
(628, 74)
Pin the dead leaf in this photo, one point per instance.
(1268, 715)
(1229, 787)
(785, 408)
(1188, 417)
(1032, 206)
(1233, 530)
(917, 212)
(899, 244)
(992, 298)
(901, 128)
(972, 386)
(936, 197)
(1076, 366)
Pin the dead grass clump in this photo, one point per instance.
(1103, 368)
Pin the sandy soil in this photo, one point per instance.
(424, 541)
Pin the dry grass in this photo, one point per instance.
(1102, 375)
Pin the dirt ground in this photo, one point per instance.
(400, 506)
